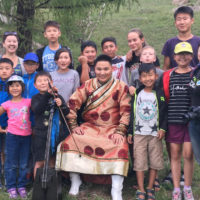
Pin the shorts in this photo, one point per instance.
(147, 153)
(177, 133)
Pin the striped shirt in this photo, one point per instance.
(179, 101)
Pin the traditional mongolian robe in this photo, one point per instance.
(106, 112)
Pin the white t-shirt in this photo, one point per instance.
(146, 118)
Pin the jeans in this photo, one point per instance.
(2, 142)
(17, 151)
(194, 131)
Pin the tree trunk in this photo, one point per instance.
(25, 12)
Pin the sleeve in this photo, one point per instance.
(77, 82)
(75, 102)
(165, 50)
(39, 53)
(64, 106)
(39, 102)
(133, 78)
(79, 70)
(5, 105)
(124, 106)
(163, 111)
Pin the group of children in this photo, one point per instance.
(159, 100)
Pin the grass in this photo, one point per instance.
(155, 19)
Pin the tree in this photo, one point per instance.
(78, 17)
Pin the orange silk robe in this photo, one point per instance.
(107, 112)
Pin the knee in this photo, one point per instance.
(188, 156)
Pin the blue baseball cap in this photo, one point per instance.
(32, 57)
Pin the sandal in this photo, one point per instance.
(150, 194)
(22, 192)
(12, 193)
(139, 193)
(156, 185)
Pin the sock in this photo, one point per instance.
(187, 187)
(177, 189)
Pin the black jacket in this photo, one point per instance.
(162, 109)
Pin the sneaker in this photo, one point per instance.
(12, 193)
(168, 178)
(22, 192)
(188, 194)
(176, 195)
(182, 181)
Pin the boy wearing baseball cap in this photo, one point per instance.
(176, 87)
(31, 63)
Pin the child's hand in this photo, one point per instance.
(130, 139)
(52, 90)
(117, 138)
(82, 59)
(2, 130)
(58, 101)
(129, 55)
(161, 134)
(132, 90)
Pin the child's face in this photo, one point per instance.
(109, 49)
(183, 59)
(148, 56)
(198, 53)
(42, 83)
(15, 89)
(183, 22)
(90, 53)
(30, 66)
(63, 61)
(148, 79)
(11, 44)
(6, 71)
(103, 70)
(52, 34)
(134, 41)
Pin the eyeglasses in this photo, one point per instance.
(10, 33)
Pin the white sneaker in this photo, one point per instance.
(188, 194)
(176, 195)
(75, 183)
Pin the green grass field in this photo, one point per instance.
(155, 19)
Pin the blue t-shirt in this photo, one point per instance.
(49, 64)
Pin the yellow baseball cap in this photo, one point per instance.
(183, 47)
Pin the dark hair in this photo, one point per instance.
(140, 34)
(88, 43)
(6, 60)
(10, 33)
(42, 73)
(146, 67)
(184, 9)
(11, 82)
(103, 57)
(51, 23)
(108, 39)
(64, 49)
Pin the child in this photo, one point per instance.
(31, 64)
(18, 137)
(66, 80)
(148, 55)
(6, 70)
(41, 104)
(10, 44)
(86, 59)
(183, 21)
(176, 87)
(109, 48)
(136, 42)
(47, 53)
(194, 123)
(148, 124)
